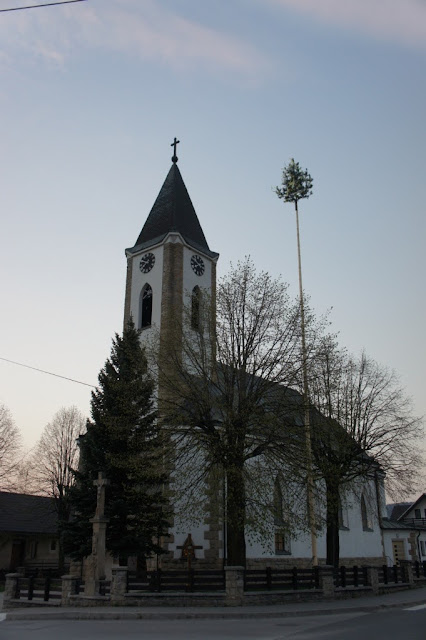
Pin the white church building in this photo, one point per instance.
(170, 263)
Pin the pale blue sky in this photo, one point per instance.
(92, 94)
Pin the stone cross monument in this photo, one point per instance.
(96, 561)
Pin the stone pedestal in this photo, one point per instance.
(373, 578)
(327, 580)
(408, 571)
(119, 583)
(68, 589)
(95, 566)
(10, 588)
(234, 586)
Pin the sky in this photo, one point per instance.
(92, 95)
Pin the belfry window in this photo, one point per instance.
(145, 307)
(196, 309)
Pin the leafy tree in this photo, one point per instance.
(363, 427)
(122, 440)
(54, 458)
(228, 380)
(10, 448)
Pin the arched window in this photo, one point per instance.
(366, 523)
(282, 538)
(196, 309)
(278, 503)
(145, 307)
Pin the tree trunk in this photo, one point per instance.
(235, 517)
(333, 525)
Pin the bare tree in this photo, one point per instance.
(10, 449)
(229, 383)
(363, 427)
(54, 459)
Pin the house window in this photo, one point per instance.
(145, 307)
(282, 546)
(422, 548)
(417, 514)
(53, 544)
(33, 549)
(196, 309)
(366, 523)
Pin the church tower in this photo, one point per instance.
(171, 263)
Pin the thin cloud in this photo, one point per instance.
(400, 21)
(146, 30)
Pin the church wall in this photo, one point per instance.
(155, 279)
(190, 279)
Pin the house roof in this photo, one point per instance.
(173, 211)
(411, 506)
(396, 510)
(392, 524)
(21, 513)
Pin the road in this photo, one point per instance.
(392, 624)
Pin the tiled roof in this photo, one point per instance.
(396, 510)
(21, 513)
(173, 211)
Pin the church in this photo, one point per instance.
(170, 268)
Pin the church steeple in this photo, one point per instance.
(169, 261)
(173, 212)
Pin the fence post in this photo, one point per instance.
(395, 573)
(268, 578)
(68, 589)
(47, 587)
(327, 581)
(30, 587)
(294, 578)
(316, 571)
(355, 573)
(11, 588)
(234, 586)
(373, 578)
(119, 583)
(343, 576)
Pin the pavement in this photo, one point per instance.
(401, 599)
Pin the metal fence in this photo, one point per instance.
(42, 589)
(286, 579)
(350, 577)
(188, 581)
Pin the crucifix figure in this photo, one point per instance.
(174, 144)
(188, 550)
(101, 484)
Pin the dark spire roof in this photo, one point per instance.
(173, 211)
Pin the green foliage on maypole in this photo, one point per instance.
(124, 441)
(296, 183)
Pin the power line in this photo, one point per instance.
(37, 6)
(49, 373)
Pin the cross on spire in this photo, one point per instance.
(174, 144)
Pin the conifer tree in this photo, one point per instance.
(123, 441)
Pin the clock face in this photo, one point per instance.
(147, 262)
(197, 265)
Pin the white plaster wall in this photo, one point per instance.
(355, 542)
(190, 279)
(155, 279)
